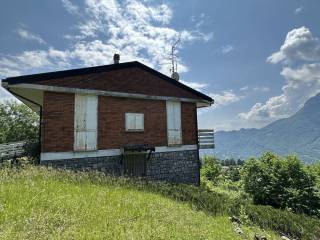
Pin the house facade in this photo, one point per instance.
(119, 118)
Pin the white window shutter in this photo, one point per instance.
(80, 140)
(91, 122)
(80, 113)
(85, 120)
(174, 123)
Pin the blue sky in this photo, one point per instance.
(260, 60)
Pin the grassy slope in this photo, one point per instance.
(41, 204)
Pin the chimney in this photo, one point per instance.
(116, 58)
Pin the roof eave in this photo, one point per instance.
(74, 72)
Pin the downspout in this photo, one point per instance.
(198, 148)
(40, 116)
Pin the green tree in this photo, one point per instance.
(282, 183)
(315, 169)
(234, 173)
(17, 122)
(211, 168)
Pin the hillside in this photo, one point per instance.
(298, 134)
(37, 203)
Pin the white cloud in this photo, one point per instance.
(268, 111)
(34, 61)
(245, 88)
(4, 95)
(70, 7)
(299, 45)
(298, 10)
(227, 49)
(225, 98)
(138, 10)
(23, 33)
(302, 78)
(195, 85)
(254, 89)
(200, 20)
(261, 89)
(138, 30)
(9, 72)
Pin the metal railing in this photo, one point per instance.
(206, 138)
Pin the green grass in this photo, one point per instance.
(232, 190)
(37, 203)
(293, 225)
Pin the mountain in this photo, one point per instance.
(298, 134)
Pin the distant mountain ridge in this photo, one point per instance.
(298, 134)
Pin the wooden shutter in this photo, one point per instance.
(91, 122)
(174, 123)
(85, 122)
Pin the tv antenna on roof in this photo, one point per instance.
(173, 58)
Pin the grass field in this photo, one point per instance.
(38, 203)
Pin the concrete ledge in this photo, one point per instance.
(46, 156)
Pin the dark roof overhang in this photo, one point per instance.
(98, 69)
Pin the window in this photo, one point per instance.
(174, 123)
(85, 122)
(134, 122)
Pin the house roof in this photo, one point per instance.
(33, 78)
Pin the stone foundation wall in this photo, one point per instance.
(177, 167)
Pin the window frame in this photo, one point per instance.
(127, 129)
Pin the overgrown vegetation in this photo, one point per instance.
(39, 203)
(296, 226)
(282, 183)
(288, 189)
(18, 123)
(211, 169)
(315, 170)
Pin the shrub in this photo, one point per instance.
(282, 183)
(211, 168)
(32, 151)
(315, 170)
(18, 123)
(233, 173)
(283, 222)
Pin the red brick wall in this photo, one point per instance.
(189, 123)
(131, 80)
(58, 120)
(112, 122)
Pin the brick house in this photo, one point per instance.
(118, 118)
